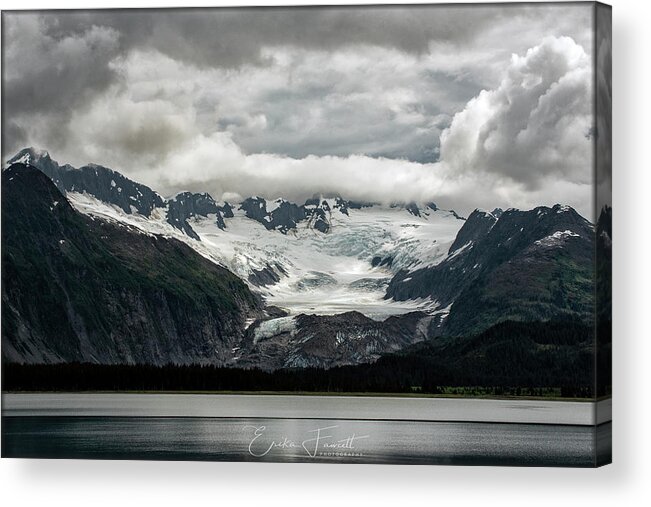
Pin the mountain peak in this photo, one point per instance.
(28, 156)
(477, 226)
(27, 184)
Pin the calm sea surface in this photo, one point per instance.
(297, 428)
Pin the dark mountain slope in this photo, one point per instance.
(604, 266)
(77, 289)
(604, 274)
(515, 354)
(520, 265)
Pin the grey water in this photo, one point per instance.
(249, 428)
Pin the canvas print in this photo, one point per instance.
(376, 234)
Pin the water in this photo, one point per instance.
(201, 435)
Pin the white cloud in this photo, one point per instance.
(535, 125)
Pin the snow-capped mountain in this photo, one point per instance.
(105, 184)
(112, 292)
(328, 256)
(534, 264)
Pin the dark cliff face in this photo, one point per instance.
(282, 218)
(320, 219)
(286, 215)
(324, 341)
(78, 289)
(187, 205)
(526, 265)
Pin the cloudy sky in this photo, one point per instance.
(468, 107)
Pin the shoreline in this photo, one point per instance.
(326, 394)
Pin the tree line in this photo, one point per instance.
(554, 358)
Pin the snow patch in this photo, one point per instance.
(556, 238)
(274, 327)
(25, 159)
(274, 205)
(460, 250)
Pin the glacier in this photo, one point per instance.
(314, 273)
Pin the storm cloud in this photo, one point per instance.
(466, 106)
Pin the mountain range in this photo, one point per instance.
(99, 268)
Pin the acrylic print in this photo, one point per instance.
(317, 234)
